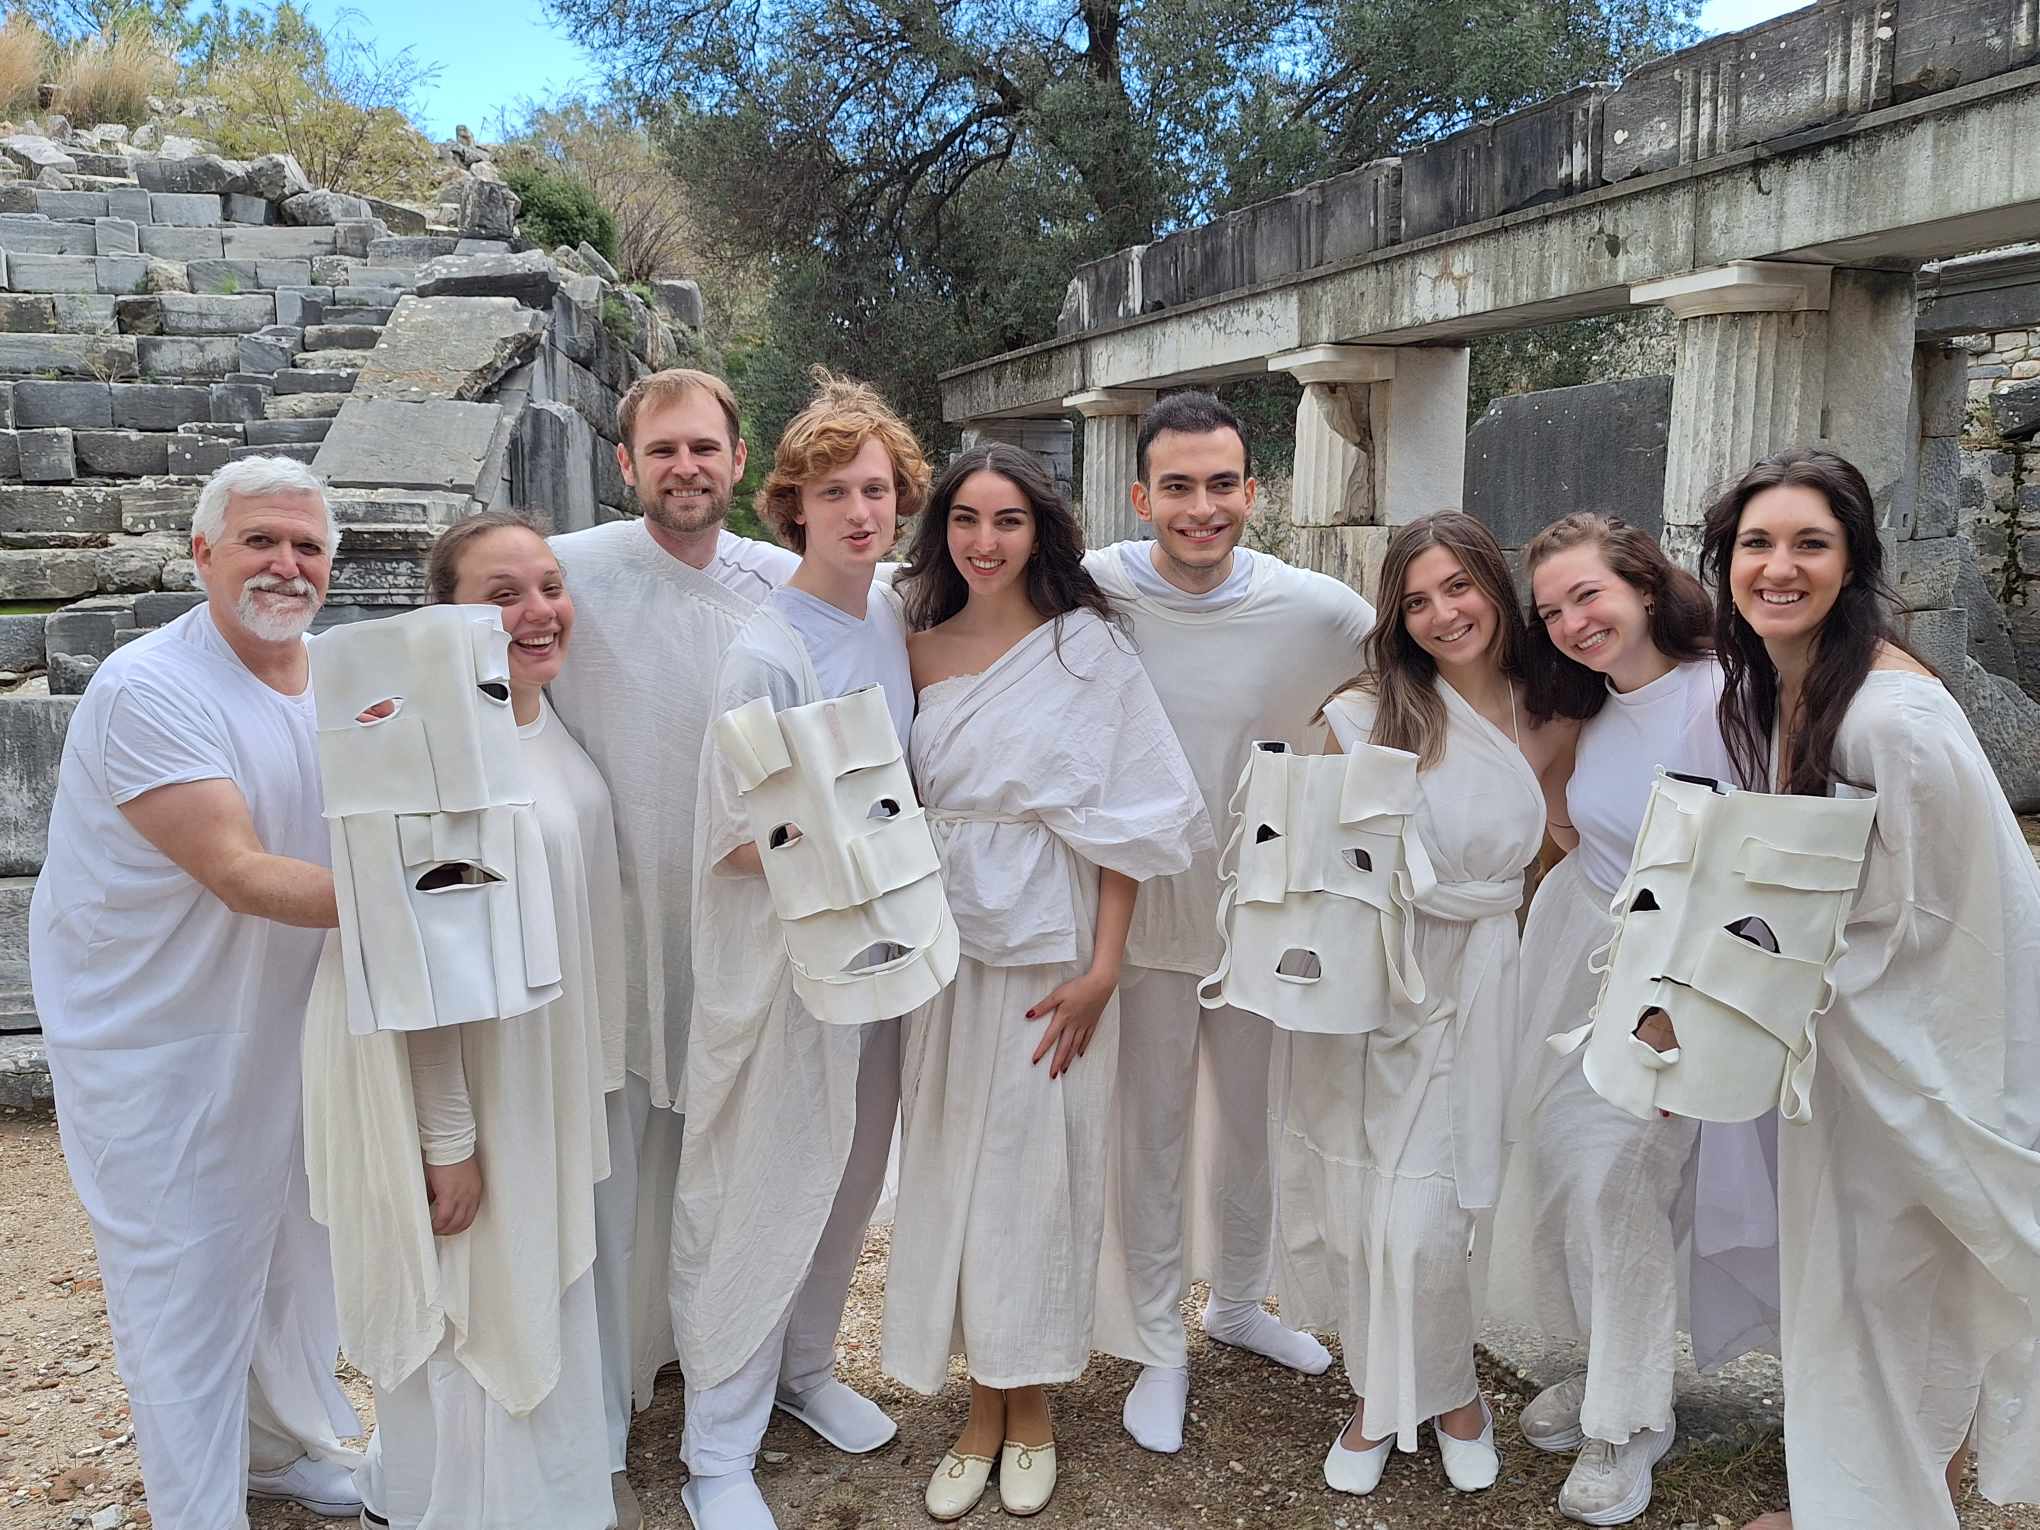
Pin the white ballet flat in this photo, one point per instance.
(958, 1484)
(1026, 1477)
(1471, 1465)
(1356, 1471)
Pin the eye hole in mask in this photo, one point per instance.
(1756, 932)
(884, 808)
(495, 690)
(872, 958)
(1300, 966)
(1272, 747)
(1266, 832)
(1359, 859)
(1645, 902)
(782, 836)
(451, 875)
(381, 711)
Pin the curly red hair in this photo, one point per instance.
(829, 433)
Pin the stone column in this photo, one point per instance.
(1111, 425)
(1380, 441)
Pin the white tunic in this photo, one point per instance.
(771, 1092)
(172, 1025)
(1910, 1236)
(1387, 1143)
(1035, 772)
(635, 691)
(535, 1086)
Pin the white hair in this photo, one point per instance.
(256, 475)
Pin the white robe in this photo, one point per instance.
(635, 690)
(1258, 668)
(771, 1092)
(1909, 1201)
(173, 1029)
(1035, 772)
(1387, 1144)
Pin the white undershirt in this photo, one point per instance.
(1139, 560)
(849, 653)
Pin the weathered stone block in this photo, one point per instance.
(308, 380)
(115, 236)
(244, 209)
(10, 459)
(273, 177)
(488, 209)
(405, 249)
(1600, 447)
(83, 313)
(88, 627)
(21, 642)
(291, 432)
(306, 452)
(282, 273)
(481, 247)
(98, 356)
(280, 243)
(46, 456)
(198, 175)
(1937, 505)
(35, 153)
(165, 276)
(140, 315)
(2007, 724)
(75, 405)
(383, 443)
(303, 406)
(68, 511)
(332, 361)
(52, 273)
(129, 202)
(121, 453)
(180, 243)
(136, 565)
(679, 301)
(215, 314)
(237, 403)
(1351, 554)
(180, 574)
(121, 273)
(35, 573)
(71, 206)
(262, 353)
(551, 462)
(157, 510)
(31, 747)
(1940, 44)
(379, 277)
(185, 210)
(157, 406)
(21, 235)
(24, 313)
(399, 218)
(198, 454)
(324, 208)
(1926, 573)
(70, 673)
(353, 236)
(528, 278)
(168, 357)
(341, 337)
(223, 276)
(160, 606)
(2014, 410)
(292, 302)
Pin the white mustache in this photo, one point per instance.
(279, 586)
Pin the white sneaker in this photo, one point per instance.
(321, 1486)
(1551, 1419)
(1610, 1484)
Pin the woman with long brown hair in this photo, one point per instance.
(1909, 1241)
(1054, 786)
(1622, 644)
(1389, 1144)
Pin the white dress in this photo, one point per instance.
(1387, 1144)
(1910, 1199)
(173, 1028)
(1591, 1234)
(485, 1340)
(1054, 761)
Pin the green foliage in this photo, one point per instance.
(559, 208)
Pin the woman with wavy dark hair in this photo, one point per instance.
(1622, 641)
(1390, 1144)
(1909, 1243)
(1054, 785)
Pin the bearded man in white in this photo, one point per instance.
(658, 600)
(172, 940)
(1240, 646)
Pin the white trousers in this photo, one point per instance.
(446, 1456)
(1188, 1193)
(723, 1425)
(634, 1210)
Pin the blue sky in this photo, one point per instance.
(493, 53)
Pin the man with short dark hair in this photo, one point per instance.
(658, 599)
(1240, 646)
(172, 940)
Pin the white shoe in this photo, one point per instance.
(1471, 1465)
(1026, 1477)
(1551, 1419)
(1610, 1484)
(323, 1487)
(730, 1502)
(958, 1484)
(843, 1416)
(1356, 1471)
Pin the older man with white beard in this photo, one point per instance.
(172, 941)
(657, 601)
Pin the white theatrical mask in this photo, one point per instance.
(1729, 921)
(848, 857)
(446, 911)
(1323, 871)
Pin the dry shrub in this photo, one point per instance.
(24, 65)
(110, 78)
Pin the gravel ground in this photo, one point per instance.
(1255, 1437)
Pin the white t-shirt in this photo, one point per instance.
(1669, 722)
(752, 569)
(125, 949)
(1137, 558)
(849, 653)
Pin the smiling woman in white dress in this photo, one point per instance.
(1055, 785)
(1909, 1241)
(1389, 1143)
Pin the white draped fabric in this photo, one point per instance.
(1910, 1238)
(1054, 761)
(1387, 1144)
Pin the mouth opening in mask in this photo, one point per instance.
(450, 876)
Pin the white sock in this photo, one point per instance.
(843, 1416)
(729, 1502)
(1249, 1325)
(1153, 1414)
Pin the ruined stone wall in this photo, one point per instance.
(2001, 489)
